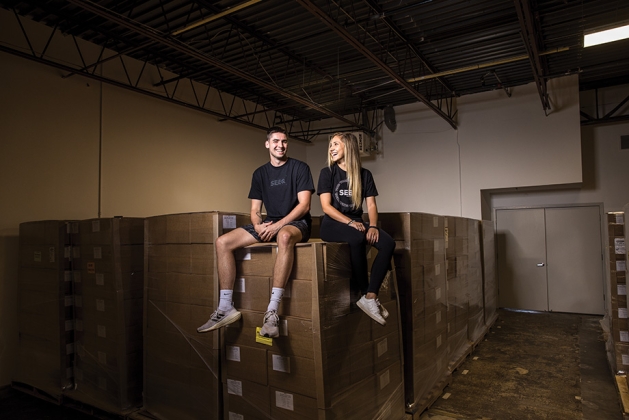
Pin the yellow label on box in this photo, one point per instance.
(263, 340)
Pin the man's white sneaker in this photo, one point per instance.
(271, 327)
(370, 307)
(220, 319)
(383, 310)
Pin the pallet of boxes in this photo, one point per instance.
(328, 357)
(108, 297)
(45, 309)
(442, 298)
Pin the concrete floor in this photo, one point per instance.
(534, 366)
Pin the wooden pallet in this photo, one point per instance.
(430, 399)
(36, 392)
(623, 392)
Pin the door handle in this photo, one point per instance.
(540, 264)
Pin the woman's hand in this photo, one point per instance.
(373, 234)
(359, 226)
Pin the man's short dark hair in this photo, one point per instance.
(272, 130)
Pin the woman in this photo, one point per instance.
(343, 185)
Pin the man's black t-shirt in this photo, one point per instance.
(334, 180)
(278, 186)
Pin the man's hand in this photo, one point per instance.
(267, 231)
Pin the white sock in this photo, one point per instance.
(225, 303)
(276, 298)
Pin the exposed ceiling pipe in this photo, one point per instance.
(485, 65)
(158, 36)
(214, 17)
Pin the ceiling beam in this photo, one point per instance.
(214, 17)
(345, 35)
(532, 42)
(170, 42)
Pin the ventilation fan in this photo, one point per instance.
(389, 118)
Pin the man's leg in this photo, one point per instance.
(225, 246)
(286, 239)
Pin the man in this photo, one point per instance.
(284, 185)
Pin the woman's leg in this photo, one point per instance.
(333, 231)
(382, 262)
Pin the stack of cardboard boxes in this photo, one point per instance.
(108, 290)
(476, 324)
(181, 366)
(617, 309)
(420, 261)
(45, 307)
(331, 361)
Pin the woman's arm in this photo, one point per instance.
(373, 234)
(328, 208)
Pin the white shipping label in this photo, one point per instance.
(621, 265)
(624, 336)
(68, 301)
(51, 254)
(67, 276)
(98, 253)
(37, 256)
(100, 305)
(229, 221)
(234, 387)
(76, 276)
(625, 359)
(100, 279)
(435, 221)
(102, 331)
(233, 353)
(102, 383)
(284, 400)
(437, 269)
(384, 379)
(76, 252)
(69, 325)
(102, 357)
(622, 290)
(438, 293)
(281, 363)
(239, 285)
(236, 416)
(619, 246)
(67, 252)
(622, 313)
(382, 347)
(95, 225)
(436, 244)
(620, 218)
(284, 327)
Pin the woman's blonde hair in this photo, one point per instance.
(353, 165)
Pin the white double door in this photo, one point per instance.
(550, 259)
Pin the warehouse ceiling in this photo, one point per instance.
(302, 61)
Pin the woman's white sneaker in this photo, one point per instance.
(370, 307)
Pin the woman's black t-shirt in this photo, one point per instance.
(334, 181)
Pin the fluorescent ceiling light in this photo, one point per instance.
(609, 35)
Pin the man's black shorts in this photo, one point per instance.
(303, 226)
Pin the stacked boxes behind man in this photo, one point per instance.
(45, 307)
(108, 284)
(617, 309)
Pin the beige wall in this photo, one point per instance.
(426, 166)
(157, 158)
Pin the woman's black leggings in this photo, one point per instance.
(333, 231)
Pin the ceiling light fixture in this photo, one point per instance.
(609, 35)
